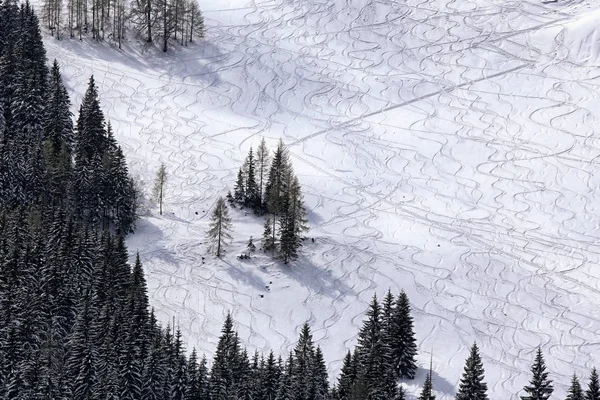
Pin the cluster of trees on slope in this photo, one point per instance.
(178, 21)
(46, 162)
(268, 185)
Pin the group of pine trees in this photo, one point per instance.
(268, 185)
(166, 21)
(386, 352)
(44, 160)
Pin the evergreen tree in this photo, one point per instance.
(250, 247)
(239, 190)
(220, 228)
(227, 353)
(270, 378)
(192, 390)
(372, 354)
(287, 382)
(262, 168)
(267, 239)
(251, 197)
(292, 221)
(427, 392)
(347, 378)
(179, 381)
(319, 384)
(575, 391)
(402, 339)
(58, 122)
(593, 390)
(472, 386)
(540, 387)
(82, 353)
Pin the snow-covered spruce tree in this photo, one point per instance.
(287, 382)
(268, 243)
(472, 386)
(179, 381)
(251, 188)
(292, 222)
(81, 364)
(262, 169)
(346, 378)
(239, 190)
(220, 228)
(277, 185)
(387, 338)
(192, 389)
(250, 247)
(593, 390)
(427, 391)
(371, 351)
(540, 387)
(320, 383)
(58, 144)
(270, 378)
(221, 376)
(575, 391)
(304, 354)
(160, 182)
(403, 343)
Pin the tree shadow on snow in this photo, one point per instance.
(246, 274)
(440, 384)
(317, 279)
(148, 232)
(197, 63)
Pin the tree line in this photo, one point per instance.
(164, 21)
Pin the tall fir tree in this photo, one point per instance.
(239, 190)
(540, 387)
(292, 221)
(226, 355)
(346, 378)
(251, 197)
(262, 169)
(575, 391)
(371, 352)
(593, 390)
(472, 386)
(402, 339)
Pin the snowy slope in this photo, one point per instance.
(446, 148)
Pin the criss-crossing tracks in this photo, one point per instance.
(447, 148)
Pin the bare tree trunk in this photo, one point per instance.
(192, 27)
(102, 4)
(58, 10)
(148, 19)
(219, 240)
(165, 26)
(176, 17)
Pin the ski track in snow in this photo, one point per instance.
(441, 149)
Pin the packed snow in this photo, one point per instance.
(446, 148)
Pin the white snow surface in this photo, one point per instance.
(447, 148)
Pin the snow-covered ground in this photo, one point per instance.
(445, 147)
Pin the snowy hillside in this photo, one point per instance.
(447, 148)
